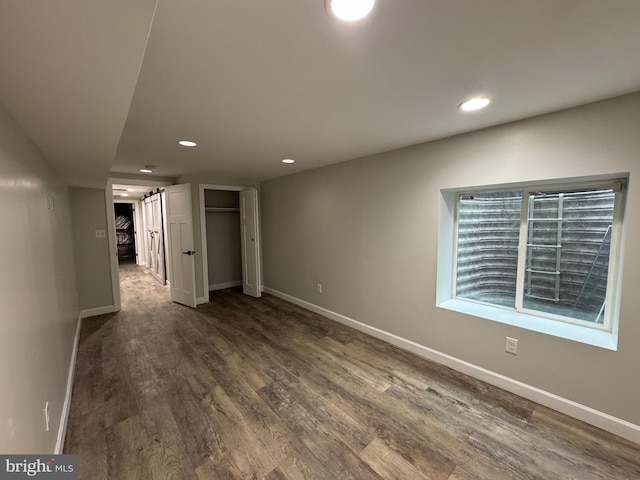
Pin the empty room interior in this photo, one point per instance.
(332, 239)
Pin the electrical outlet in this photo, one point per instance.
(511, 345)
(319, 288)
(101, 234)
(47, 420)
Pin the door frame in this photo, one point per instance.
(203, 234)
(111, 229)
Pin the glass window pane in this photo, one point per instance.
(487, 249)
(567, 259)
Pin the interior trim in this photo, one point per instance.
(92, 312)
(66, 406)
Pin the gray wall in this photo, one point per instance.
(367, 230)
(224, 260)
(37, 294)
(93, 269)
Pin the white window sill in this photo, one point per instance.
(577, 333)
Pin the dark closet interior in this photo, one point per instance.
(125, 234)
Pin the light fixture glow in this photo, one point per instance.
(474, 104)
(124, 194)
(187, 143)
(148, 169)
(129, 189)
(288, 160)
(349, 10)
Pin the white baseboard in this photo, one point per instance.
(92, 312)
(221, 286)
(66, 406)
(200, 300)
(589, 415)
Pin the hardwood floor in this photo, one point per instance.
(245, 388)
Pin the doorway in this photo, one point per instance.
(230, 239)
(125, 232)
(224, 251)
(132, 192)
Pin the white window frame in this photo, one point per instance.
(603, 335)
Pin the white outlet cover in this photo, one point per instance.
(511, 345)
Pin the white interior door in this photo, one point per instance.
(159, 244)
(149, 234)
(180, 237)
(249, 241)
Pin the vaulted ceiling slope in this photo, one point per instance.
(254, 81)
(68, 70)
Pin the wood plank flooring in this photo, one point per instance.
(244, 388)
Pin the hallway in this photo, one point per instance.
(140, 290)
(259, 388)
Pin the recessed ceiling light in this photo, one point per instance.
(129, 189)
(124, 194)
(474, 104)
(148, 169)
(187, 143)
(349, 10)
(288, 160)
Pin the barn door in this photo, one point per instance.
(154, 236)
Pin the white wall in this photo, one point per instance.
(37, 294)
(368, 231)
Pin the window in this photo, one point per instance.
(547, 251)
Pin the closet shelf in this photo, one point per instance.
(221, 209)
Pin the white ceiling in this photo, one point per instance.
(255, 81)
(130, 192)
(68, 69)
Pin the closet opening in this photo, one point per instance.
(154, 234)
(224, 250)
(229, 226)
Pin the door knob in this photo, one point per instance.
(189, 252)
